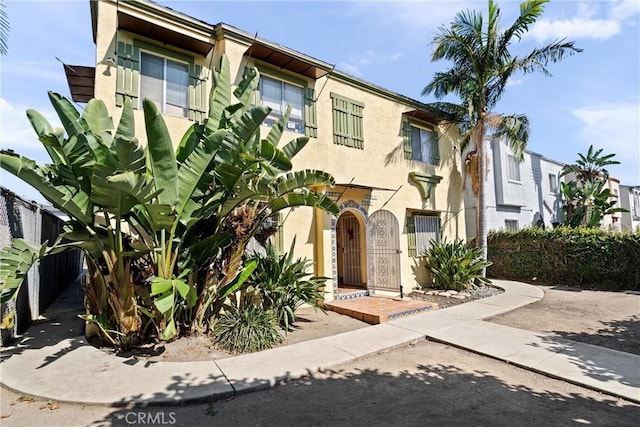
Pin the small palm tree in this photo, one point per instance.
(482, 67)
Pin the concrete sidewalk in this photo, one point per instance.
(53, 360)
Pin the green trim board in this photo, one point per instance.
(425, 183)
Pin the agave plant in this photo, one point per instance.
(174, 210)
(285, 284)
(455, 265)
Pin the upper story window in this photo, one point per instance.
(424, 145)
(347, 122)
(278, 95)
(513, 169)
(165, 82)
(172, 80)
(553, 183)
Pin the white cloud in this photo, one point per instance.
(515, 82)
(616, 129)
(593, 20)
(356, 63)
(396, 56)
(41, 71)
(575, 28)
(17, 133)
(624, 10)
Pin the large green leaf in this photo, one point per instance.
(42, 127)
(127, 155)
(189, 141)
(294, 146)
(235, 284)
(126, 126)
(247, 126)
(72, 201)
(193, 169)
(208, 247)
(301, 179)
(274, 156)
(246, 88)
(220, 96)
(163, 165)
(15, 262)
(69, 116)
(303, 198)
(97, 117)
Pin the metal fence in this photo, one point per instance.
(45, 281)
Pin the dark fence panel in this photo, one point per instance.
(20, 218)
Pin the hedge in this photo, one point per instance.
(586, 258)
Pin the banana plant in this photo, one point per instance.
(172, 207)
(97, 176)
(221, 170)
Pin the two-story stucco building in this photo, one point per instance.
(630, 200)
(519, 194)
(398, 174)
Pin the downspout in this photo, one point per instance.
(318, 247)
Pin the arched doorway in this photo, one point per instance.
(384, 251)
(351, 251)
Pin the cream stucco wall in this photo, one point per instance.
(380, 166)
(107, 39)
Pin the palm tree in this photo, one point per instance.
(482, 66)
(4, 30)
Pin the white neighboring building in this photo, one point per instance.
(630, 200)
(519, 194)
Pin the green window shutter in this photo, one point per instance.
(357, 131)
(197, 94)
(348, 127)
(406, 140)
(128, 73)
(411, 236)
(340, 122)
(435, 147)
(310, 120)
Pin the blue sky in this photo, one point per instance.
(592, 97)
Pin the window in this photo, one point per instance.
(513, 168)
(423, 145)
(165, 82)
(347, 122)
(553, 183)
(278, 95)
(511, 224)
(172, 80)
(616, 197)
(636, 204)
(422, 230)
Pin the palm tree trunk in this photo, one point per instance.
(481, 229)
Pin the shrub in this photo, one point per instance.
(284, 283)
(245, 330)
(589, 258)
(455, 265)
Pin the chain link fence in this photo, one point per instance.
(45, 281)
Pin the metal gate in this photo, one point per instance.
(351, 266)
(384, 251)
